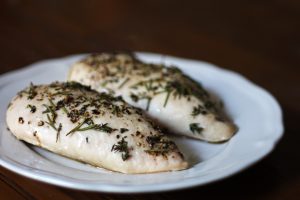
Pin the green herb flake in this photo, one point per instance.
(58, 131)
(32, 108)
(31, 91)
(91, 126)
(123, 130)
(52, 119)
(123, 83)
(167, 97)
(159, 145)
(195, 128)
(76, 128)
(209, 105)
(122, 146)
(198, 110)
(134, 97)
(99, 127)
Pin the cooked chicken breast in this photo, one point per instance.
(96, 128)
(169, 96)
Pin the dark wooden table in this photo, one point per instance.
(259, 39)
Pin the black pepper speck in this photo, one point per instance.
(21, 120)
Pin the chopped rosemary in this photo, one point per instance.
(195, 128)
(167, 97)
(75, 85)
(169, 80)
(179, 88)
(52, 104)
(148, 103)
(156, 86)
(77, 127)
(51, 122)
(58, 131)
(31, 91)
(122, 146)
(104, 128)
(123, 83)
(140, 96)
(65, 110)
(98, 127)
(91, 126)
(50, 109)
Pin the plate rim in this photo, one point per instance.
(44, 176)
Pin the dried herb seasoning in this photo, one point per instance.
(195, 128)
(123, 130)
(170, 81)
(91, 126)
(31, 91)
(31, 107)
(198, 110)
(58, 131)
(82, 110)
(122, 147)
(159, 145)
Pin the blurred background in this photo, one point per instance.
(257, 38)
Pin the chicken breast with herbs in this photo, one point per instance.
(96, 128)
(169, 96)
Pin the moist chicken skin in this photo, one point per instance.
(74, 121)
(169, 96)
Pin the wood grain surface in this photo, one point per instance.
(257, 38)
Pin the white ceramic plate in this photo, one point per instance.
(254, 110)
